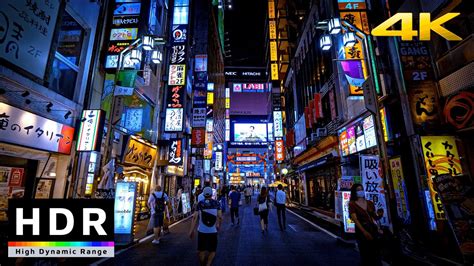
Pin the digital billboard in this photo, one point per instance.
(250, 132)
(249, 103)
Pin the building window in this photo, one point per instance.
(65, 67)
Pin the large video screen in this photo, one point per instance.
(250, 132)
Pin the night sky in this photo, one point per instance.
(245, 24)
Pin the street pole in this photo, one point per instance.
(372, 93)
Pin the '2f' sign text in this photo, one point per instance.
(424, 32)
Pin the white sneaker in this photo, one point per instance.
(155, 242)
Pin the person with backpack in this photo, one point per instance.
(157, 204)
(209, 214)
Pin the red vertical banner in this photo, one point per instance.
(279, 150)
(311, 112)
(306, 117)
(317, 105)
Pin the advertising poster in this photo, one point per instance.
(456, 195)
(123, 34)
(349, 225)
(124, 207)
(44, 188)
(373, 184)
(344, 146)
(441, 157)
(174, 119)
(16, 177)
(351, 140)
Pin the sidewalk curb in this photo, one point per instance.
(136, 243)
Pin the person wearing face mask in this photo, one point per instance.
(362, 212)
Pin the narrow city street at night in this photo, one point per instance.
(237, 132)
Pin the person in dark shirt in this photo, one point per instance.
(363, 214)
(234, 197)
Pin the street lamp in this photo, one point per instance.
(334, 26)
(325, 42)
(349, 39)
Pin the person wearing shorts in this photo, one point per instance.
(158, 217)
(208, 212)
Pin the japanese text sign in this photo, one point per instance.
(175, 152)
(90, 130)
(177, 75)
(174, 119)
(441, 157)
(139, 153)
(24, 128)
(279, 150)
(26, 32)
(373, 184)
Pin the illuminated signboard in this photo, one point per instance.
(349, 225)
(210, 98)
(177, 75)
(199, 117)
(174, 120)
(271, 9)
(175, 97)
(277, 124)
(90, 130)
(139, 153)
(219, 161)
(175, 152)
(250, 132)
(351, 4)
(210, 86)
(179, 33)
(272, 29)
(357, 137)
(274, 70)
(127, 9)
(123, 34)
(124, 207)
(209, 125)
(30, 130)
(126, 20)
(441, 157)
(178, 54)
(273, 51)
(198, 137)
(279, 150)
(200, 63)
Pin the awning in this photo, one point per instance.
(316, 163)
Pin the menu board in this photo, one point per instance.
(358, 136)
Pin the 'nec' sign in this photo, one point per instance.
(61, 220)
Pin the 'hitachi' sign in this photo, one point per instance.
(251, 73)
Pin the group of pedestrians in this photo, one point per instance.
(207, 218)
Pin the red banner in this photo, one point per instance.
(317, 106)
(198, 137)
(279, 150)
(307, 117)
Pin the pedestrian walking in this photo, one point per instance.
(157, 204)
(234, 198)
(264, 207)
(210, 217)
(248, 194)
(280, 200)
(368, 233)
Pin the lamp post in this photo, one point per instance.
(147, 43)
(351, 34)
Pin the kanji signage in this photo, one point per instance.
(272, 29)
(174, 120)
(175, 152)
(179, 33)
(90, 131)
(139, 153)
(274, 70)
(27, 129)
(198, 137)
(177, 75)
(27, 29)
(441, 157)
(199, 117)
(399, 188)
(279, 150)
(373, 184)
(273, 51)
(123, 34)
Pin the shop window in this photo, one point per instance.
(65, 66)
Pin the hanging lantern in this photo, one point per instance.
(325, 42)
(349, 39)
(136, 55)
(148, 43)
(334, 26)
(156, 56)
